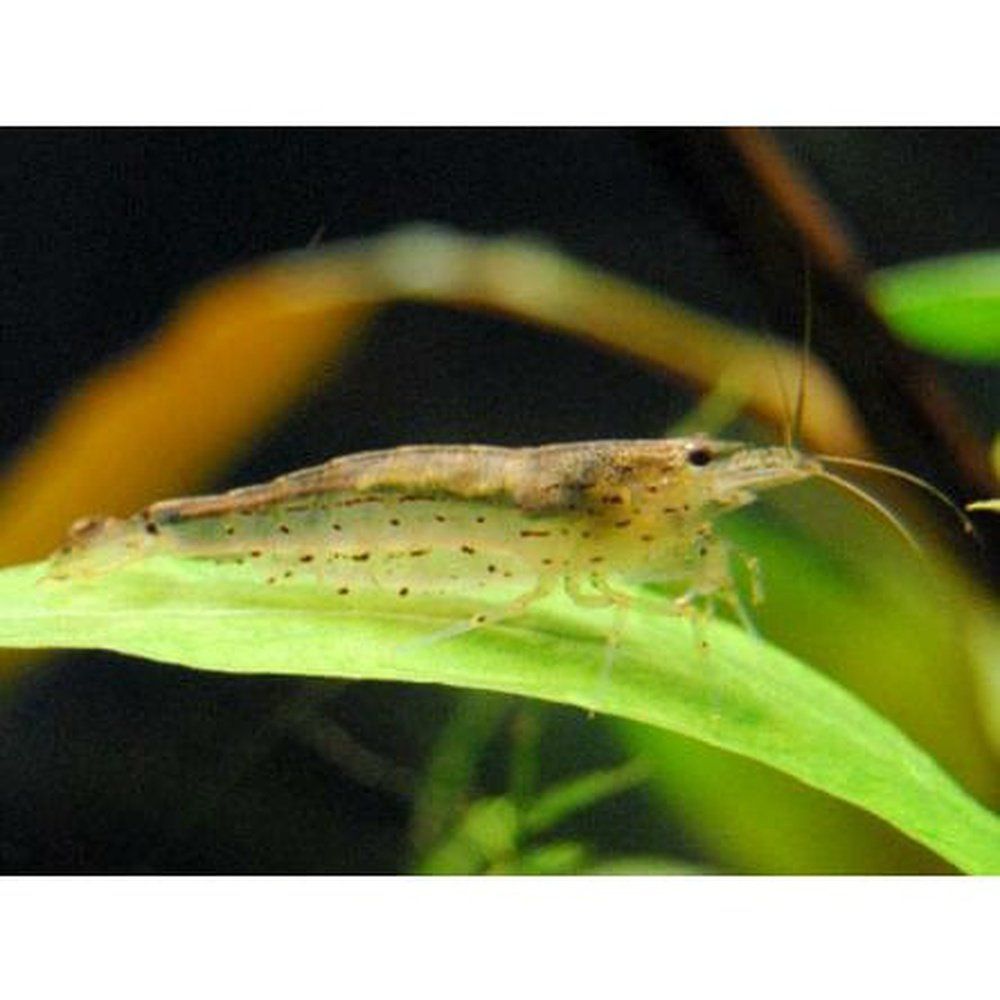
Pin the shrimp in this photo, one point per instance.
(456, 518)
(501, 526)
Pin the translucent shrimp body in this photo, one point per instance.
(505, 525)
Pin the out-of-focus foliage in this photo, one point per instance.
(499, 836)
(949, 306)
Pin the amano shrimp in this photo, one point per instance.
(475, 520)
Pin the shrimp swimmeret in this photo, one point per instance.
(473, 521)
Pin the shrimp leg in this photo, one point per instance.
(512, 609)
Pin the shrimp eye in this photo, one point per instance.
(699, 456)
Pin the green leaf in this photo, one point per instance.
(740, 693)
(556, 804)
(486, 837)
(950, 306)
(449, 773)
(562, 858)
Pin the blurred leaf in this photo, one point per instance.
(556, 804)
(448, 776)
(525, 756)
(950, 306)
(646, 866)
(984, 647)
(486, 836)
(561, 858)
(740, 694)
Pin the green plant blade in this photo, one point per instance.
(554, 805)
(740, 693)
(950, 306)
(450, 771)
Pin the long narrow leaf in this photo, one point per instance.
(740, 693)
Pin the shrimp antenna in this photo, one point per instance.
(793, 421)
(865, 497)
(807, 335)
(909, 477)
(786, 404)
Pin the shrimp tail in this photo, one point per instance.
(97, 545)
